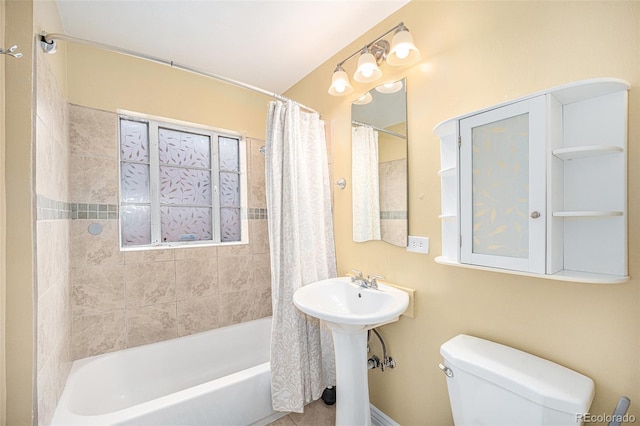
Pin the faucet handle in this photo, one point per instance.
(359, 274)
(373, 278)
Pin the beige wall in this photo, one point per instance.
(3, 238)
(110, 81)
(475, 54)
(20, 216)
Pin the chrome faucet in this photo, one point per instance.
(359, 279)
(370, 282)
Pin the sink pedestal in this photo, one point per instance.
(349, 310)
(352, 392)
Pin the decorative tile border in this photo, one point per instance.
(48, 209)
(257, 213)
(94, 211)
(390, 214)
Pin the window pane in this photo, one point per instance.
(229, 154)
(134, 141)
(134, 186)
(136, 225)
(230, 226)
(185, 186)
(229, 190)
(184, 149)
(185, 223)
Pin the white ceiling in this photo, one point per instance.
(269, 44)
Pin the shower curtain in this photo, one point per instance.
(302, 251)
(365, 184)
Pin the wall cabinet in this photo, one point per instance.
(538, 185)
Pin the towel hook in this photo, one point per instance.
(11, 52)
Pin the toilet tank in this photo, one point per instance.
(494, 384)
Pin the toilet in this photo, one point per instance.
(492, 384)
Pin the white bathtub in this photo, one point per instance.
(219, 377)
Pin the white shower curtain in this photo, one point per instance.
(365, 184)
(302, 251)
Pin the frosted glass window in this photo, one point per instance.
(134, 141)
(179, 184)
(134, 187)
(500, 162)
(229, 154)
(229, 189)
(136, 225)
(230, 226)
(231, 229)
(185, 224)
(185, 186)
(184, 149)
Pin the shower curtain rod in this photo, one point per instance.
(389, 132)
(49, 40)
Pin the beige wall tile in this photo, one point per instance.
(262, 271)
(139, 256)
(244, 305)
(92, 132)
(235, 273)
(94, 250)
(149, 324)
(97, 290)
(394, 231)
(98, 334)
(234, 250)
(196, 315)
(53, 262)
(256, 175)
(94, 180)
(150, 283)
(196, 278)
(195, 252)
(259, 236)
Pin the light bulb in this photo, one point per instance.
(402, 52)
(367, 72)
(339, 87)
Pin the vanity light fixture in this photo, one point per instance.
(340, 84)
(401, 52)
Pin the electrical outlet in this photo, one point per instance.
(418, 244)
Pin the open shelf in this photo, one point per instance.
(577, 153)
(586, 213)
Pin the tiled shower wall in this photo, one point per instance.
(52, 240)
(123, 299)
(393, 201)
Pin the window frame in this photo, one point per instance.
(154, 124)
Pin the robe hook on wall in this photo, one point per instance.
(11, 52)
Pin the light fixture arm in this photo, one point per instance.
(368, 46)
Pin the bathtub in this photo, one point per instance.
(219, 377)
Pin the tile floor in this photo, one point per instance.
(315, 414)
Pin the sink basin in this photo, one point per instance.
(340, 302)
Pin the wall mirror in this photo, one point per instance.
(379, 164)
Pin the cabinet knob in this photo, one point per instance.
(535, 215)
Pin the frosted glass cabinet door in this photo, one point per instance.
(502, 187)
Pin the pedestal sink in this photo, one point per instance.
(349, 310)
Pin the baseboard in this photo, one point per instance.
(378, 418)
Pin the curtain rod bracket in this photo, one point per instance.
(47, 46)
